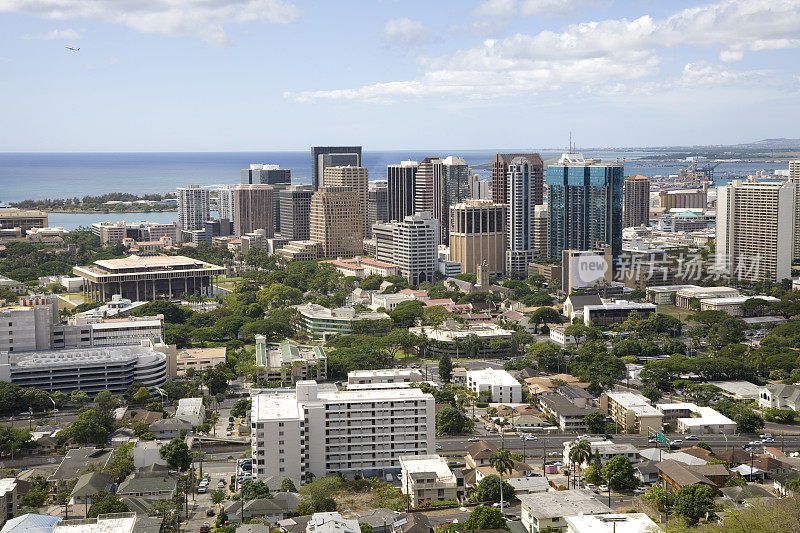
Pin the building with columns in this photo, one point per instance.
(146, 278)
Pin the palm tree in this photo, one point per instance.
(503, 463)
(580, 452)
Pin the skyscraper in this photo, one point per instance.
(477, 234)
(353, 177)
(225, 202)
(253, 209)
(377, 204)
(266, 174)
(295, 205)
(401, 182)
(637, 201)
(500, 171)
(193, 207)
(521, 193)
(456, 188)
(428, 187)
(794, 169)
(415, 241)
(755, 230)
(541, 235)
(334, 222)
(585, 201)
(352, 156)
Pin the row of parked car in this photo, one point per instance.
(203, 486)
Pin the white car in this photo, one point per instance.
(504, 503)
(691, 437)
(438, 446)
(765, 436)
(603, 488)
(639, 490)
(473, 439)
(755, 443)
(530, 437)
(769, 439)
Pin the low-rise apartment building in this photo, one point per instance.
(9, 502)
(498, 385)
(290, 362)
(320, 321)
(198, 359)
(426, 478)
(567, 414)
(606, 450)
(192, 410)
(320, 430)
(631, 411)
(544, 510)
(691, 418)
(384, 376)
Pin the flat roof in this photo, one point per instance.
(530, 483)
(433, 464)
(611, 523)
(635, 402)
(492, 376)
(698, 292)
(77, 356)
(706, 415)
(113, 523)
(743, 389)
(737, 300)
(384, 372)
(563, 503)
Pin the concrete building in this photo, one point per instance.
(334, 221)
(142, 278)
(9, 501)
(456, 187)
(500, 167)
(605, 449)
(253, 209)
(732, 305)
(290, 362)
(450, 338)
(689, 294)
(319, 321)
(541, 231)
(611, 523)
(225, 206)
(428, 187)
(356, 179)
(569, 416)
(266, 174)
(550, 509)
(499, 384)
(198, 359)
(320, 430)
(426, 478)
(401, 183)
(693, 419)
(361, 267)
(755, 230)
(117, 232)
(334, 156)
(295, 207)
(89, 370)
(384, 376)
(521, 182)
(24, 219)
(631, 411)
(478, 234)
(636, 211)
(301, 251)
(583, 269)
(794, 169)
(683, 199)
(192, 410)
(111, 523)
(377, 204)
(614, 312)
(585, 202)
(194, 207)
(414, 244)
(780, 396)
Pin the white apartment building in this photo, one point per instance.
(411, 244)
(385, 375)
(549, 509)
(426, 478)
(225, 202)
(631, 411)
(755, 229)
(192, 410)
(605, 448)
(691, 418)
(320, 430)
(610, 523)
(503, 388)
(194, 207)
(8, 499)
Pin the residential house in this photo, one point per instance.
(567, 414)
(780, 396)
(78, 460)
(675, 475)
(160, 487)
(88, 485)
(169, 428)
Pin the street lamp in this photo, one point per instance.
(55, 411)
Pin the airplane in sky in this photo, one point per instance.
(71, 48)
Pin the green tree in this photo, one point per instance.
(252, 490)
(488, 490)
(580, 452)
(79, 397)
(217, 495)
(104, 503)
(545, 315)
(176, 454)
(445, 368)
(502, 462)
(595, 422)
(659, 497)
(87, 429)
(484, 517)
(121, 465)
(451, 421)
(619, 473)
(241, 407)
(406, 313)
(287, 485)
(651, 393)
(694, 501)
(364, 527)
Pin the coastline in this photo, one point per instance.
(105, 211)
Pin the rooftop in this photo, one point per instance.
(634, 402)
(563, 503)
(82, 356)
(427, 464)
(611, 523)
(110, 523)
(144, 263)
(706, 292)
(78, 459)
(492, 376)
(705, 415)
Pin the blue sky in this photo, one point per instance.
(227, 75)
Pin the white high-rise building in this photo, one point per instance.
(193, 207)
(415, 243)
(794, 169)
(319, 430)
(520, 226)
(225, 202)
(756, 229)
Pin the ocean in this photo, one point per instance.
(35, 176)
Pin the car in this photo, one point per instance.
(512, 517)
(765, 436)
(438, 446)
(691, 437)
(530, 437)
(755, 443)
(228, 433)
(603, 488)
(652, 440)
(607, 436)
(582, 437)
(204, 528)
(221, 484)
(504, 503)
(639, 490)
(589, 486)
(201, 489)
(210, 512)
(473, 439)
(769, 439)
(230, 419)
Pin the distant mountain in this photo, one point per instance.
(774, 143)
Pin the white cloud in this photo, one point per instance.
(704, 74)
(203, 19)
(525, 8)
(406, 32)
(601, 53)
(68, 34)
(731, 56)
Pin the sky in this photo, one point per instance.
(263, 75)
